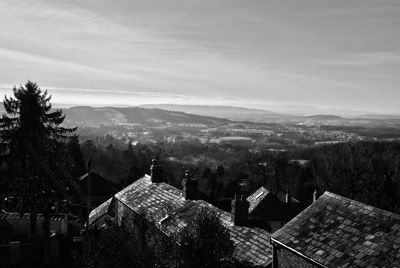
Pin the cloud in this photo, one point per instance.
(306, 52)
(374, 58)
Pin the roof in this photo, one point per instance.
(8, 216)
(265, 205)
(339, 232)
(100, 211)
(300, 162)
(99, 186)
(13, 218)
(262, 192)
(165, 206)
(257, 197)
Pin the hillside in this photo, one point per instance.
(228, 112)
(134, 115)
(153, 114)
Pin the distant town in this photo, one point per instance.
(279, 133)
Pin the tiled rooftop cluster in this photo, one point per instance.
(339, 232)
(165, 206)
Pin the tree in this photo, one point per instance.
(134, 242)
(33, 151)
(31, 137)
(206, 242)
(77, 162)
(118, 246)
(365, 171)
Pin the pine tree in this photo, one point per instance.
(32, 141)
(77, 162)
(33, 154)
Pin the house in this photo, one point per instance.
(267, 210)
(272, 211)
(19, 246)
(170, 210)
(20, 223)
(100, 188)
(335, 231)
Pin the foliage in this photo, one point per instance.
(78, 166)
(132, 243)
(206, 242)
(34, 156)
(365, 171)
(33, 151)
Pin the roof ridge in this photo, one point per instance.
(360, 204)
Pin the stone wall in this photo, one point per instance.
(284, 258)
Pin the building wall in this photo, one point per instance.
(21, 226)
(284, 258)
(167, 251)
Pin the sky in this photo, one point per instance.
(342, 54)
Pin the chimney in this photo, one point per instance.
(190, 191)
(156, 172)
(314, 195)
(288, 196)
(240, 208)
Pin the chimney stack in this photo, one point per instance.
(190, 191)
(156, 172)
(288, 196)
(240, 207)
(314, 195)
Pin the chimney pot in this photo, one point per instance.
(314, 195)
(288, 196)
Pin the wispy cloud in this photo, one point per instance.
(375, 58)
(332, 53)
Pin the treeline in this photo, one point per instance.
(364, 171)
(378, 132)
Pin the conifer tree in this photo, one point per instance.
(33, 153)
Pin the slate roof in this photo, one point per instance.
(257, 197)
(26, 216)
(339, 232)
(100, 211)
(265, 205)
(165, 206)
(99, 186)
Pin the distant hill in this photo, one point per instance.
(228, 112)
(116, 115)
(323, 117)
(380, 116)
(304, 110)
(155, 114)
